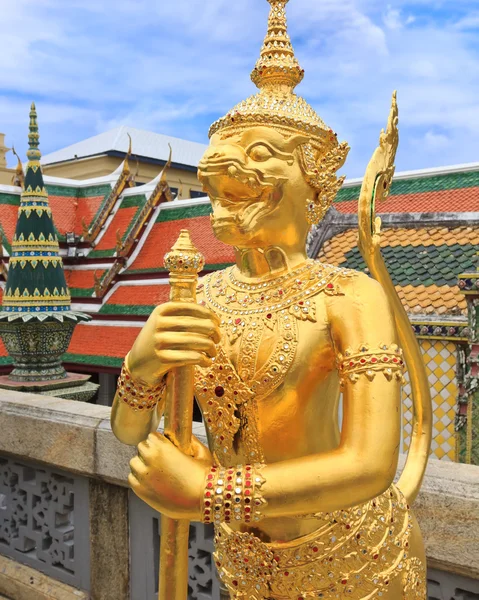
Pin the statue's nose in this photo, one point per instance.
(214, 153)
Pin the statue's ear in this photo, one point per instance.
(293, 142)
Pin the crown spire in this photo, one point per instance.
(33, 152)
(277, 64)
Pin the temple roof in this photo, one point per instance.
(149, 144)
(424, 264)
(430, 236)
(450, 189)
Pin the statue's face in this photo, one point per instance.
(256, 186)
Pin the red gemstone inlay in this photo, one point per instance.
(269, 316)
(237, 321)
(330, 286)
(219, 391)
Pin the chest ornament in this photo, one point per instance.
(230, 394)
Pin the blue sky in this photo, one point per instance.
(175, 67)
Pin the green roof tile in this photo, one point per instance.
(421, 265)
(189, 212)
(418, 185)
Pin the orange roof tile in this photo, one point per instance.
(334, 249)
(63, 211)
(147, 295)
(82, 279)
(164, 235)
(456, 200)
(103, 340)
(432, 300)
(86, 210)
(120, 222)
(8, 220)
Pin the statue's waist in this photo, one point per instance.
(362, 545)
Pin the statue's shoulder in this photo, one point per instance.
(350, 283)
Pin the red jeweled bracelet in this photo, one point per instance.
(138, 395)
(233, 494)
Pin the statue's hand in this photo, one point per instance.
(175, 335)
(168, 480)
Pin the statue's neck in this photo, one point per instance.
(263, 263)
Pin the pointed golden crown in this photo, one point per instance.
(276, 74)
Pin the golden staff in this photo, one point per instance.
(184, 262)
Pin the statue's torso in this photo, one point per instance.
(287, 356)
(273, 390)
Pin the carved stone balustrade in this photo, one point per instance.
(70, 529)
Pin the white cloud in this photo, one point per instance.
(436, 141)
(176, 66)
(394, 19)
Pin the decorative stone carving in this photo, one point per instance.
(39, 518)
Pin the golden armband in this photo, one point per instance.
(367, 361)
(138, 395)
(233, 494)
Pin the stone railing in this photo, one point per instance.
(70, 529)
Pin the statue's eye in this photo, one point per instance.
(260, 152)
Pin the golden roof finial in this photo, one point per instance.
(19, 177)
(277, 64)
(168, 164)
(126, 165)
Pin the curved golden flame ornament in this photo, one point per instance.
(303, 506)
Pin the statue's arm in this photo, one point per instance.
(130, 425)
(364, 464)
(176, 334)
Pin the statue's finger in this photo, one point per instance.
(137, 467)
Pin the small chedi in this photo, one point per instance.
(36, 318)
(303, 506)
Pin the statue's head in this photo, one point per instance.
(270, 169)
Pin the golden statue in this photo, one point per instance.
(303, 507)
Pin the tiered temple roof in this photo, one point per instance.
(114, 261)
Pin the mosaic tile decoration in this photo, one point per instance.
(440, 358)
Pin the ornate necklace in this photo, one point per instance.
(247, 311)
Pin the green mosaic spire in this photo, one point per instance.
(36, 281)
